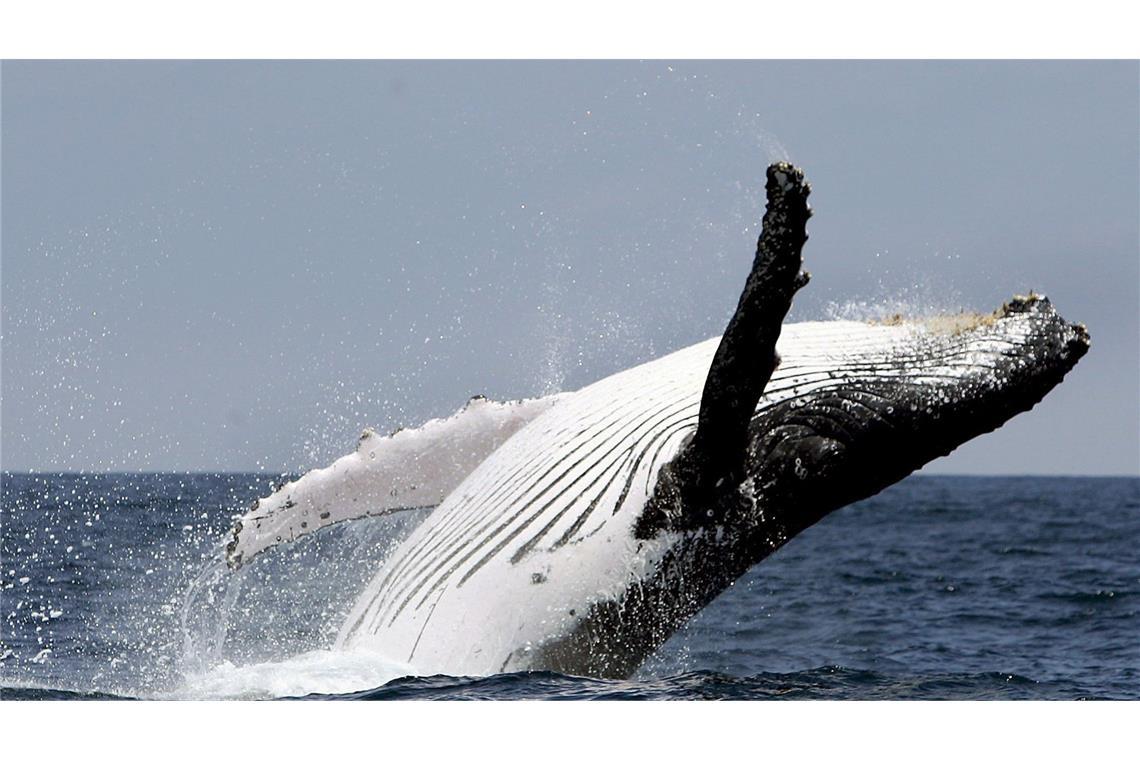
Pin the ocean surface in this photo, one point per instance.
(112, 586)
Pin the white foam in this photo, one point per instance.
(316, 672)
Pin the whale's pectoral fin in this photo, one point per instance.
(410, 469)
(712, 462)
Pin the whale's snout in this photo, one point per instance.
(1061, 342)
(1035, 349)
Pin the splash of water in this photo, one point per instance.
(921, 299)
(320, 671)
(205, 618)
(267, 629)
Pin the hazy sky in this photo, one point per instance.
(240, 265)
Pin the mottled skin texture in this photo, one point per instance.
(743, 486)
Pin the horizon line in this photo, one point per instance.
(300, 474)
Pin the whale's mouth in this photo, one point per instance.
(907, 392)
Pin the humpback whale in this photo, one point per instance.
(578, 531)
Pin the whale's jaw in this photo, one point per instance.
(896, 398)
(819, 445)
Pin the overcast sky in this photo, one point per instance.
(240, 265)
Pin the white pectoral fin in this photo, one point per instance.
(412, 468)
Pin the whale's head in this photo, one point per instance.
(851, 408)
(857, 406)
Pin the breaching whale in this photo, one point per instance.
(577, 532)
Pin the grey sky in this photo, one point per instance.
(239, 265)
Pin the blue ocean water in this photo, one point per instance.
(937, 588)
